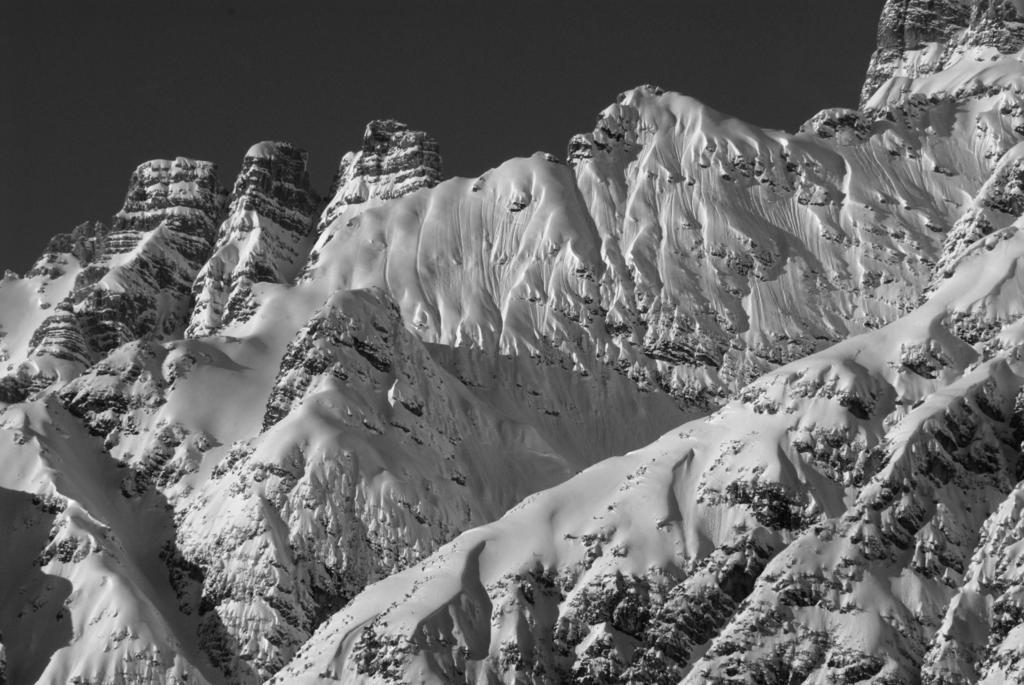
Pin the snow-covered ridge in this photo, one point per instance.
(263, 437)
(239, 434)
(686, 249)
(831, 514)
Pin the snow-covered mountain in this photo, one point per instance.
(371, 437)
(818, 528)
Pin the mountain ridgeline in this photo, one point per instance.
(255, 434)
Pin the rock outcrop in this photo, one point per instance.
(393, 161)
(265, 239)
(919, 38)
(133, 280)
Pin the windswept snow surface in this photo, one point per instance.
(816, 529)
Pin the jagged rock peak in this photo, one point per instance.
(265, 238)
(272, 149)
(133, 280)
(161, 184)
(290, 162)
(277, 173)
(614, 126)
(84, 242)
(908, 28)
(389, 146)
(394, 161)
(157, 188)
(183, 192)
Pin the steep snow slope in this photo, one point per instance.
(684, 248)
(734, 249)
(495, 264)
(313, 444)
(85, 593)
(357, 457)
(819, 528)
(812, 531)
(367, 457)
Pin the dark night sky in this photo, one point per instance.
(90, 88)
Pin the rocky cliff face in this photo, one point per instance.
(989, 603)
(394, 161)
(107, 287)
(265, 239)
(918, 38)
